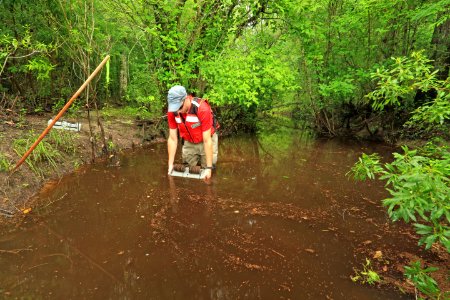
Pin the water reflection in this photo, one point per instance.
(280, 220)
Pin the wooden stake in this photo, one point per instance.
(62, 111)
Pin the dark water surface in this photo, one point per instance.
(279, 221)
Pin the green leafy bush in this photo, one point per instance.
(398, 85)
(419, 184)
(41, 67)
(433, 115)
(418, 180)
(423, 282)
(247, 75)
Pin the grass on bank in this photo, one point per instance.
(5, 163)
(49, 151)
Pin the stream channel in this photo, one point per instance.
(280, 220)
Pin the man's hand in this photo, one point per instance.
(208, 173)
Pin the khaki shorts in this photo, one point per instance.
(195, 153)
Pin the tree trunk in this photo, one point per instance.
(123, 76)
(440, 43)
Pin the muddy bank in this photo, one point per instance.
(71, 151)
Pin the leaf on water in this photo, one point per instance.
(27, 210)
(310, 251)
(378, 254)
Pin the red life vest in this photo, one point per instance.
(189, 125)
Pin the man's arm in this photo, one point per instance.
(208, 145)
(172, 143)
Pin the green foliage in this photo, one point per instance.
(233, 81)
(234, 119)
(419, 184)
(74, 108)
(316, 54)
(246, 76)
(368, 166)
(63, 140)
(41, 67)
(398, 84)
(111, 146)
(435, 115)
(182, 42)
(366, 275)
(432, 9)
(127, 112)
(23, 55)
(5, 163)
(424, 283)
(43, 153)
(335, 45)
(338, 89)
(418, 180)
(48, 151)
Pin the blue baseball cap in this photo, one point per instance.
(175, 97)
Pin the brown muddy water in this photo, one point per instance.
(279, 221)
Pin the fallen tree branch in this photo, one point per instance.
(15, 251)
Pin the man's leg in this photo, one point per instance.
(190, 153)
